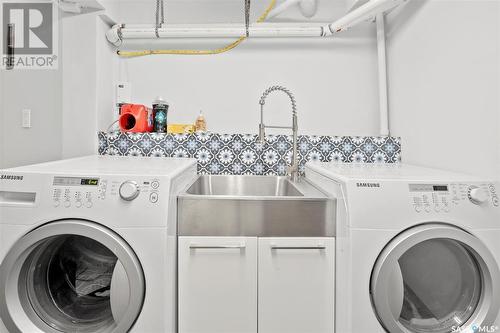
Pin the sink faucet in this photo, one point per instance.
(293, 170)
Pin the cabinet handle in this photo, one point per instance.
(194, 246)
(320, 247)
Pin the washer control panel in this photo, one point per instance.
(85, 192)
(426, 198)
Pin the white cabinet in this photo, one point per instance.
(217, 285)
(248, 284)
(296, 285)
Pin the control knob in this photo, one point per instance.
(477, 195)
(129, 190)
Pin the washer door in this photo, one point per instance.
(435, 278)
(71, 276)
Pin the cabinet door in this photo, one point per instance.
(296, 285)
(217, 285)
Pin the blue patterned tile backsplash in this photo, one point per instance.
(239, 154)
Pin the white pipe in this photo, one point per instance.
(70, 7)
(117, 34)
(308, 8)
(281, 8)
(364, 12)
(280, 30)
(382, 76)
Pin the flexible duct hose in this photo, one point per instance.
(131, 54)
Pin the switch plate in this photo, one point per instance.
(123, 92)
(26, 121)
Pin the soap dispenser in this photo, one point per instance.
(201, 124)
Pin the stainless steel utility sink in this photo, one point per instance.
(244, 186)
(257, 206)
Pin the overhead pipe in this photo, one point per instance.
(263, 30)
(308, 8)
(367, 11)
(70, 7)
(78, 6)
(382, 76)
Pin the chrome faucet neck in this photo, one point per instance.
(293, 170)
(268, 91)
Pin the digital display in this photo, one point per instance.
(428, 188)
(75, 181)
(440, 188)
(90, 181)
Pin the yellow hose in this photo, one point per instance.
(130, 54)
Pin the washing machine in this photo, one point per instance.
(418, 249)
(89, 245)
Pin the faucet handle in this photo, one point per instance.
(293, 173)
(262, 133)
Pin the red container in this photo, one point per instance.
(136, 118)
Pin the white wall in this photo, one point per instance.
(40, 91)
(443, 78)
(79, 88)
(89, 65)
(444, 72)
(334, 81)
(2, 122)
(82, 87)
(334, 84)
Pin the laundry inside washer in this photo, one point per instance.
(67, 281)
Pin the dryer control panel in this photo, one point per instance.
(442, 198)
(85, 192)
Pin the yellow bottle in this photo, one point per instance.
(201, 124)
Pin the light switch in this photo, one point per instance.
(26, 118)
(123, 92)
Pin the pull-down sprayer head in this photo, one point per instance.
(294, 168)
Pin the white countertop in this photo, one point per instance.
(111, 165)
(377, 171)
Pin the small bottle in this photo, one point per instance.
(201, 124)
(160, 111)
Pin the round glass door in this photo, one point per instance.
(65, 277)
(435, 279)
(442, 286)
(67, 280)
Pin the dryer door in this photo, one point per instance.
(71, 276)
(435, 278)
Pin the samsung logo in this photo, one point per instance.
(11, 177)
(367, 184)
